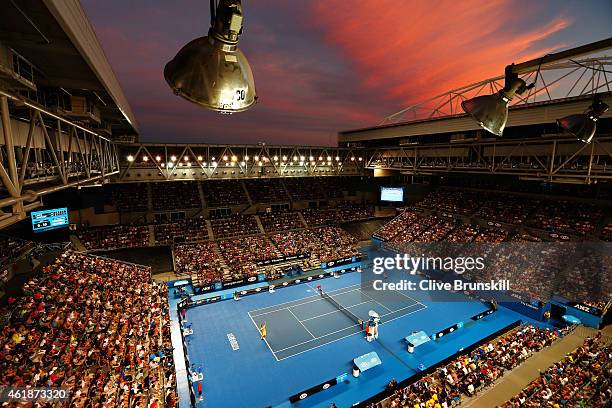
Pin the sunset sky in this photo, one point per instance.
(331, 65)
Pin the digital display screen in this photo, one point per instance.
(392, 194)
(49, 219)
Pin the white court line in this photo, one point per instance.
(409, 297)
(354, 325)
(300, 322)
(374, 300)
(335, 311)
(268, 344)
(307, 297)
(319, 338)
(318, 298)
(333, 341)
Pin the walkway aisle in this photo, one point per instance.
(512, 383)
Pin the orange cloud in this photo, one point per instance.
(413, 50)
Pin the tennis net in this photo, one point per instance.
(343, 309)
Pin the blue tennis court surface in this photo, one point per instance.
(310, 341)
(297, 327)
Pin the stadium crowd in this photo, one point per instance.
(553, 216)
(113, 237)
(98, 327)
(200, 261)
(582, 379)
(242, 254)
(281, 221)
(469, 373)
(223, 193)
(235, 225)
(191, 230)
(175, 195)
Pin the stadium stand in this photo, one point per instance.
(95, 326)
(292, 243)
(266, 191)
(234, 225)
(339, 243)
(468, 374)
(114, 237)
(281, 221)
(177, 195)
(580, 379)
(223, 193)
(316, 217)
(200, 261)
(242, 254)
(353, 211)
(130, 197)
(190, 230)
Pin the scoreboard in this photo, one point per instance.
(392, 194)
(49, 219)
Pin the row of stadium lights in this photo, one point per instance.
(234, 159)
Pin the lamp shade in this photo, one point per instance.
(581, 125)
(212, 74)
(490, 111)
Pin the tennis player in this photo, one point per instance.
(262, 329)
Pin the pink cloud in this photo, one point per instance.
(409, 51)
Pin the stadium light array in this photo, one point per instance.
(584, 125)
(158, 158)
(130, 158)
(199, 158)
(284, 158)
(491, 111)
(337, 158)
(211, 71)
(173, 158)
(145, 158)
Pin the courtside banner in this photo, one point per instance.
(586, 308)
(342, 261)
(313, 390)
(282, 259)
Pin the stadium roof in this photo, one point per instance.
(57, 38)
(560, 88)
(521, 115)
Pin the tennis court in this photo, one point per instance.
(296, 327)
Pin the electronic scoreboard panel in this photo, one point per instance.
(49, 219)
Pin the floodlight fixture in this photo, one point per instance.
(491, 111)
(211, 71)
(584, 125)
